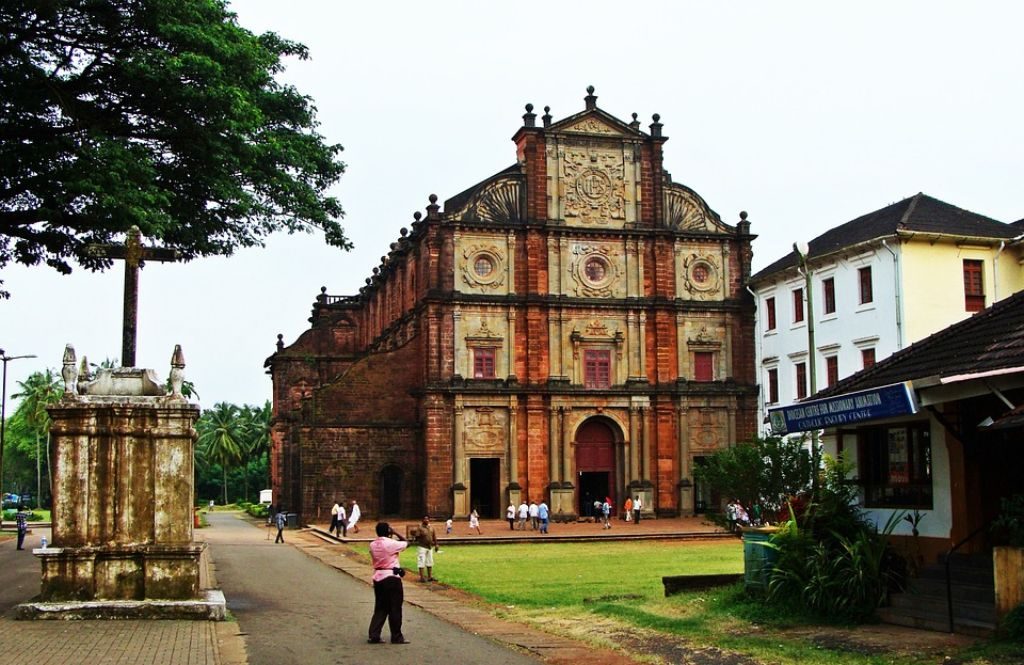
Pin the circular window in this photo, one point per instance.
(483, 266)
(595, 269)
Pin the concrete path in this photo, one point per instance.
(292, 609)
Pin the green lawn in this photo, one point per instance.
(611, 593)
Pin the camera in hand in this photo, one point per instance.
(399, 571)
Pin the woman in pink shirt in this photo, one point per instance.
(388, 594)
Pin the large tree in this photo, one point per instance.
(164, 114)
(37, 392)
(221, 439)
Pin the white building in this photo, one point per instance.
(878, 284)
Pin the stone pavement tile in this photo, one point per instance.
(459, 609)
(126, 642)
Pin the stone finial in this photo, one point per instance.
(433, 209)
(84, 373)
(177, 370)
(323, 295)
(529, 118)
(743, 228)
(417, 216)
(280, 342)
(70, 372)
(590, 99)
(656, 125)
(636, 123)
(403, 232)
(547, 116)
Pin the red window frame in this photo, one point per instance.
(801, 380)
(703, 366)
(828, 289)
(867, 293)
(974, 287)
(483, 363)
(798, 305)
(867, 358)
(773, 386)
(832, 370)
(597, 364)
(769, 310)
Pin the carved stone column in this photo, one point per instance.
(634, 444)
(685, 477)
(460, 498)
(463, 363)
(642, 341)
(562, 490)
(567, 447)
(554, 448)
(514, 489)
(645, 464)
(510, 343)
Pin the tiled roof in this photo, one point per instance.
(991, 340)
(920, 213)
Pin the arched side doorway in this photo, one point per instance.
(390, 499)
(597, 464)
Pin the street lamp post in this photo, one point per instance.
(3, 413)
(802, 249)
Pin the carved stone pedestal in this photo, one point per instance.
(122, 474)
(563, 502)
(460, 501)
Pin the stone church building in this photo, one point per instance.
(573, 326)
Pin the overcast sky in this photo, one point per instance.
(805, 114)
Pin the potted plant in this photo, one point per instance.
(1008, 555)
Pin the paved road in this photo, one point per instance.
(294, 609)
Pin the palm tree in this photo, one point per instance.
(256, 433)
(221, 438)
(37, 391)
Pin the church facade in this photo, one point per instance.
(573, 327)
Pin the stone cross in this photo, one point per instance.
(134, 254)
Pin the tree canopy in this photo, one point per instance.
(163, 114)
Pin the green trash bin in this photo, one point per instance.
(758, 560)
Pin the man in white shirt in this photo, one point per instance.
(638, 505)
(524, 512)
(353, 517)
(534, 515)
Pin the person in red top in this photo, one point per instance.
(388, 594)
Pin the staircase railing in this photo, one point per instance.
(949, 579)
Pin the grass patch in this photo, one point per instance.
(612, 592)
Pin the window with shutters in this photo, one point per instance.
(801, 380)
(703, 366)
(867, 358)
(828, 292)
(597, 368)
(867, 293)
(832, 370)
(483, 363)
(773, 386)
(798, 305)
(974, 292)
(769, 314)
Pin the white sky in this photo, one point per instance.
(805, 114)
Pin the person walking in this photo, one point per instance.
(342, 520)
(474, 522)
(334, 518)
(353, 517)
(534, 519)
(524, 512)
(543, 514)
(510, 515)
(606, 513)
(638, 505)
(280, 519)
(426, 541)
(388, 594)
(21, 519)
(628, 509)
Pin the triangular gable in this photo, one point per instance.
(595, 121)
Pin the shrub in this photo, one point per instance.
(830, 558)
(1008, 528)
(257, 509)
(1013, 624)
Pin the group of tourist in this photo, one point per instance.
(341, 521)
(539, 516)
(631, 510)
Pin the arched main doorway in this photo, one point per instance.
(595, 463)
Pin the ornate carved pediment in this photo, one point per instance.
(704, 339)
(591, 125)
(485, 430)
(483, 334)
(498, 200)
(685, 210)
